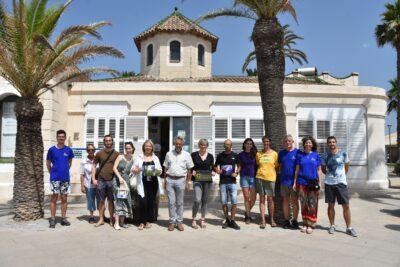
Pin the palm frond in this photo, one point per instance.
(34, 14)
(250, 58)
(51, 19)
(227, 12)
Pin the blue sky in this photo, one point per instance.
(338, 35)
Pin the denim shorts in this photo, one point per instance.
(247, 182)
(105, 190)
(228, 189)
(92, 199)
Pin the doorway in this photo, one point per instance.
(159, 133)
(163, 130)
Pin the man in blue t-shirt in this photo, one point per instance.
(59, 160)
(287, 166)
(335, 166)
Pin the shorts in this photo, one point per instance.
(287, 191)
(105, 190)
(247, 182)
(228, 189)
(92, 199)
(60, 187)
(265, 188)
(337, 191)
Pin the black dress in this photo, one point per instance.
(147, 206)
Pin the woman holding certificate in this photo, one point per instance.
(147, 169)
(202, 173)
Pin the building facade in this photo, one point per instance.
(177, 95)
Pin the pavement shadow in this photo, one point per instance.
(394, 227)
(6, 209)
(379, 196)
(395, 213)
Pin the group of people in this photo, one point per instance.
(113, 177)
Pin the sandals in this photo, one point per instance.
(117, 227)
(194, 225)
(263, 225)
(273, 224)
(141, 227)
(148, 226)
(303, 229)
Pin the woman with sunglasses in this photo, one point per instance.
(307, 181)
(87, 187)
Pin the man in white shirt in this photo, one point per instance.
(178, 164)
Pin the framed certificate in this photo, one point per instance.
(203, 176)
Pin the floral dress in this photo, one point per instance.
(123, 207)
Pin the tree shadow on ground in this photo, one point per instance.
(394, 227)
(378, 196)
(395, 213)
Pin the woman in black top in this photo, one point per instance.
(202, 173)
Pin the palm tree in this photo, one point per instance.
(389, 33)
(34, 66)
(295, 55)
(394, 96)
(268, 39)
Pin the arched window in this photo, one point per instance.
(175, 52)
(200, 55)
(149, 55)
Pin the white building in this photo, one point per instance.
(177, 95)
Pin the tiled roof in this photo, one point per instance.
(176, 22)
(214, 79)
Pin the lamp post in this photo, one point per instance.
(390, 143)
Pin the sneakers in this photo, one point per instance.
(234, 225)
(331, 229)
(64, 222)
(286, 225)
(295, 225)
(52, 223)
(226, 223)
(351, 232)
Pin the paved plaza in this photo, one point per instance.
(376, 218)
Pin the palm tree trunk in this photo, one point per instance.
(28, 174)
(268, 37)
(398, 104)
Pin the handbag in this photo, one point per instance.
(123, 192)
(98, 170)
(203, 176)
(312, 184)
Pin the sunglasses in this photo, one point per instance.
(90, 150)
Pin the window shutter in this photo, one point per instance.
(135, 131)
(90, 129)
(238, 128)
(323, 129)
(112, 127)
(101, 132)
(203, 128)
(221, 128)
(357, 144)
(305, 128)
(339, 130)
(256, 129)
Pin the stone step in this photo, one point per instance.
(394, 182)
